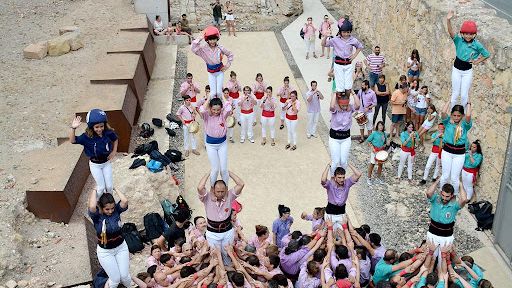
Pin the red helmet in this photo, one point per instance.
(211, 31)
(468, 27)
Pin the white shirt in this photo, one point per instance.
(159, 26)
(421, 101)
(414, 67)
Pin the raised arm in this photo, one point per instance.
(357, 102)
(75, 124)
(201, 190)
(123, 201)
(325, 174)
(468, 112)
(445, 111)
(238, 181)
(93, 202)
(449, 23)
(430, 191)
(332, 107)
(463, 197)
(357, 174)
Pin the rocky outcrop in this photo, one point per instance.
(398, 26)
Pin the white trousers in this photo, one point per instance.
(116, 263)
(102, 174)
(451, 166)
(343, 77)
(268, 121)
(339, 153)
(236, 111)
(230, 132)
(282, 116)
(257, 110)
(405, 156)
(335, 219)
(467, 183)
(220, 240)
(218, 156)
(439, 241)
(246, 120)
(312, 123)
(433, 157)
(310, 45)
(291, 127)
(461, 83)
(215, 81)
(189, 139)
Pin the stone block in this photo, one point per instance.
(36, 51)
(64, 43)
(66, 29)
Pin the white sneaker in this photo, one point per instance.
(369, 181)
(251, 140)
(242, 140)
(308, 136)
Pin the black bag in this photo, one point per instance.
(483, 214)
(154, 225)
(171, 118)
(157, 122)
(302, 33)
(146, 131)
(174, 155)
(143, 149)
(132, 237)
(156, 155)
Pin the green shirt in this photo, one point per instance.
(405, 135)
(421, 283)
(449, 131)
(377, 139)
(443, 213)
(469, 51)
(476, 156)
(383, 271)
(440, 284)
(437, 142)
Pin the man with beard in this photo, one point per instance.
(368, 101)
(375, 62)
(443, 209)
(337, 193)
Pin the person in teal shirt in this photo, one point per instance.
(444, 207)
(472, 162)
(456, 127)
(377, 142)
(389, 266)
(409, 138)
(434, 155)
(469, 52)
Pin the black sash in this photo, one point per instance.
(454, 149)
(342, 61)
(219, 226)
(440, 229)
(339, 134)
(335, 209)
(462, 65)
(113, 240)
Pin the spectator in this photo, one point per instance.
(375, 62)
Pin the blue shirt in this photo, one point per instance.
(476, 156)
(449, 131)
(377, 139)
(437, 142)
(469, 50)
(113, 222)
(443, 213)
(97, 147)
(405, 135)
(281, 228)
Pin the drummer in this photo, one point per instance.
(258, 89)
(339, 134)
(368, 101)
(187, 114)
(377, 142)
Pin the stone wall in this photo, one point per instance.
(398, 26)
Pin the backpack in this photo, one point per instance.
(302, 33)
(174, 155)
(154, 225)
(132, 237)
(483, 214)
(155, 166)
(100, 279)
(168, 207)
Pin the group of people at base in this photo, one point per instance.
(216, 253)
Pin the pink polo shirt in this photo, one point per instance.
(284, 92)
(209, 55)
(259, 86)
(246, 104)
(233, 86)
(289, 110)
(309, 31)
(190, 89)
(187, 113)
(217, 210)
(215, 126)
(269, 105)
(255, 241)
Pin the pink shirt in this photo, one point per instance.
(255, 241)
(309, 31)
(259, 86)
(247, 103)
(269, 104)
(288, 107)
(215, 126)
(284, 92)
(233, 86)
(315, 223)
(188, 89)
(187, 113)
(215, 210)
(325, 28)
(152, 261)
(209, 55)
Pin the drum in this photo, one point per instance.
(381, 156)
(361, 118)
(230, 121)
(193, 127)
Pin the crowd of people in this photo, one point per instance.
(215, 252)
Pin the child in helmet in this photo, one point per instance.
(469, 52)
(100, 145)
(212, 54)
(343, 45)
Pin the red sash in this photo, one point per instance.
(259, 95)
(377, 149)
(188, 121)
(193, 99)
(247, 111)
(291, 117)
(409, 149)
(282, 100)
(473, 171)
(267, 113)
(438, 150)
(234, 95)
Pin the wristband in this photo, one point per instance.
(410, 283)
(344, 226)
(403, 272)
(329, 228)
(414, 258)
